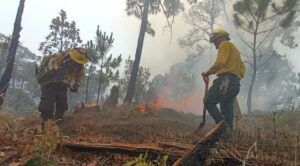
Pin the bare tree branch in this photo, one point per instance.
(247, 44)
(169, 24)
(245, 29)
(268, 18)
(203, 29)
(264, 31)
(247, 20)
(261, 42)
(265, 62)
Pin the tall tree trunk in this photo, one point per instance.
(4, 83)
(100, 80)
(19, 96)
(13, 80)
(251, 87)
(61, 36)
(87, 83)
(138, 54)
(249, 98)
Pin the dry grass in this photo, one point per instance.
(21, 138)
(276, 136)
(130, 125)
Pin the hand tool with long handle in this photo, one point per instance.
(201, 125)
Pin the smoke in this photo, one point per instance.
(162, 51)
(182, 88)
(160, 54)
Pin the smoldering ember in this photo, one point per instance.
(149, 83)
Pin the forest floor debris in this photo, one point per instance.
(22, 140)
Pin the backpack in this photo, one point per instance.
(44, 75)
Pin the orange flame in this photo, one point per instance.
(142, 107)
(190, 103)
(186, 104)
(164, 97)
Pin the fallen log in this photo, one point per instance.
(152, 150)
(198, 154)
(175, 145)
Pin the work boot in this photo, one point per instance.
(226, 131)
(225, 127)
(59, 122)
(43, 125)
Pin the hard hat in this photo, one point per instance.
(219, 32)
(79, 55)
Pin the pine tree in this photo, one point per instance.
(141, 9)
(107, 64)
(142, 83)
(92, 52)
(258, 19)
(63, 36)
(202, 19)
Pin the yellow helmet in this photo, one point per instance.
(219, 32)
(79, 55)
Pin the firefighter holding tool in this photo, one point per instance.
(230, 69)
(55, 75)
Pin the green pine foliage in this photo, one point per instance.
(106, 66)
(262, 11)
(63, 35)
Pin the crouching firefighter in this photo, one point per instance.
(230, 69)
(55, 75)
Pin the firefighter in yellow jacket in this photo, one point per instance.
(56, 74)
(230, 69)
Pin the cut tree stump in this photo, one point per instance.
(198, 154)
(112, 100)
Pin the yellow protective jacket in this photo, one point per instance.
(71, 74)
(228, 61)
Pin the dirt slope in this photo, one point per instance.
(129, 125)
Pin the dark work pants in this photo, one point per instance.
(223, 91)
(54, 101)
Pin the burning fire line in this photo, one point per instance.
(188, 103)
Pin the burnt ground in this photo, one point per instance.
(126, 124)
(21, 138)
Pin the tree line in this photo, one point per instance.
(257, 24)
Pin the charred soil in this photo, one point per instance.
(275, 136)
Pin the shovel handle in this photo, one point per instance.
(205, 79)
(206, 82)
(201, 125)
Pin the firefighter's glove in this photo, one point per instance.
(74, 88)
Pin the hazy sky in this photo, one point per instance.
(158, 53)
(109, 14)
